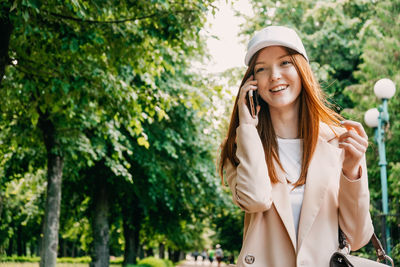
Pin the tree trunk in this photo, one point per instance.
(175, 255)
(132, 217)
(161, 250)
(10, 249)
(48, 255)
(64, 247)
(149, 252)
(5, 32)
(32, 248)
(182, 255)
(170, 254)
(38, 246)
(131, 235)
(141, 252)
(73, 250)
(100, 252)
(19, 241)
(24, 248)
(55, 163)
(1, 203)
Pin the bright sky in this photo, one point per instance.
(225, 48)
(227, 51)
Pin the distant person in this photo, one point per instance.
(204, 254)
(195, 255)
(295, 168)
(231, 258)
(219, 254)
(211, 253)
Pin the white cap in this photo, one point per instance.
(274, 35)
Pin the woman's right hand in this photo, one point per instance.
(244, 112)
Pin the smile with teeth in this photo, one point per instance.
(278, 88)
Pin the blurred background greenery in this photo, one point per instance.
(109, 136)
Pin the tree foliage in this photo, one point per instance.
(380, 59)
(98, 74)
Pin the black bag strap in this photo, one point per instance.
(380, 252)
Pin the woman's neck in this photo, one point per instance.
(285, 123)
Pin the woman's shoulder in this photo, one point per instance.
(329, 132)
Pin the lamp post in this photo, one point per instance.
(377, 118)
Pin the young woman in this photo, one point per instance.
(295, 168)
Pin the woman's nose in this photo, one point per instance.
(275, 75)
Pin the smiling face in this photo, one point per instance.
(279, 83)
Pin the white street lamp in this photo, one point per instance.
(377, 118)
(371, 117)
(384, 88)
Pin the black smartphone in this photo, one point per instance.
(252, 102)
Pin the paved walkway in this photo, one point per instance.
(200, 263)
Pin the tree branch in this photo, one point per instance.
(38, 66)
(117, 21)
(36, 73)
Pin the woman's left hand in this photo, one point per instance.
(355, 143)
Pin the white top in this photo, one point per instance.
(290, 156)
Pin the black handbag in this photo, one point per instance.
(342, 257)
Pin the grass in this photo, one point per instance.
(33, 264)
(21, 261)
(36, 264)
(25, 261)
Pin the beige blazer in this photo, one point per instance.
(330, 200)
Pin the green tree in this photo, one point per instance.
(175, 177)
(80, 72)
(228, 222)
(20, 220)
(380, 59)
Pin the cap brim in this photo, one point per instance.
(265, 44)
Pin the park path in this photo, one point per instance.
(189, 262)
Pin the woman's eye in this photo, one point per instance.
(286, 62)
(260, 69)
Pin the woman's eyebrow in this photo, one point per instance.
(283, 56)
(262, 62)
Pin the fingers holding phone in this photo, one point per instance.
(252, 102)
(248, 102)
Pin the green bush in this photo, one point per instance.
(153, 262)
(19, 259)
(168, 263)
(85, 259)
(147, 262)
(396, 253)
(117, 260)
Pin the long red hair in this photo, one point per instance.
(314, 108)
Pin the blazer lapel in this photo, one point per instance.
(325, 162)
(280, 196)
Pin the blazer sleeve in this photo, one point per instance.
(354, 216)
(249, 181)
